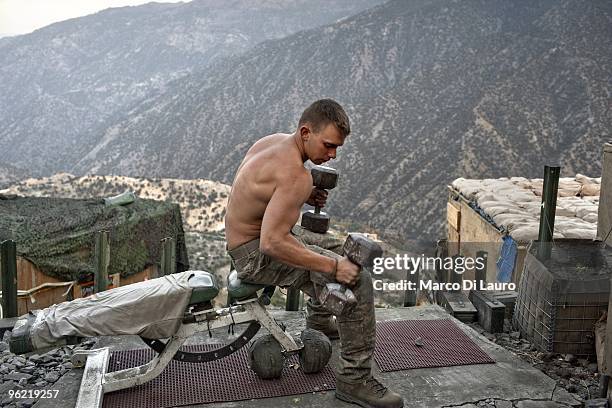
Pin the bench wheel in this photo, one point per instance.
(266, 357)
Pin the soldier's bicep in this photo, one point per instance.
(283, 209)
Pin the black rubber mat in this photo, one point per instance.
(228, 379)
(442, 344)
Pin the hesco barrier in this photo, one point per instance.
(560, 299)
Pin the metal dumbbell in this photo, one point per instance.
(324, 178)
(360, 250)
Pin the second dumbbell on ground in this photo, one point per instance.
(324, 178)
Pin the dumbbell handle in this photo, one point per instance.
(317, 209)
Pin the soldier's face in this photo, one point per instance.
(322, 146)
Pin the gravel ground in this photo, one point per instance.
(29, 375)
(578, 376)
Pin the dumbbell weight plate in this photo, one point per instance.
(316, 352)
(361, 250)
(324, 177)
(266, 357)
(315, 222)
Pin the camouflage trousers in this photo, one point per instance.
(356, 326)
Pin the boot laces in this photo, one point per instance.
(376, 386)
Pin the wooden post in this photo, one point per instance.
(102, 262)
(8, 272)
(168, 261)
(293, 299)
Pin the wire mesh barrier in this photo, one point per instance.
(560, 299)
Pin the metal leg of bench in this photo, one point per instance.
(91, 392)
(131, 377)
(96, 381)
(261, 314)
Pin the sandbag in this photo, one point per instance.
(580, 233)
(582, 179)
(591, 190)
(526, 233)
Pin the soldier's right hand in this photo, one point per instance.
(347, 272)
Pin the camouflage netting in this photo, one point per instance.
(58, 234)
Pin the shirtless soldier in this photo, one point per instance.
(270, 188)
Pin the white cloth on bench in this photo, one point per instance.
(152, 309)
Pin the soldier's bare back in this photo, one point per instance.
(255, 182)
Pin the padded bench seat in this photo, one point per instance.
(238, 290)
(204, 287)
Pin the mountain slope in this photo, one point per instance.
(10, 174)
(59, 84)
(435, 90)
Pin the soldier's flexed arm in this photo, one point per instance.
(293, 188)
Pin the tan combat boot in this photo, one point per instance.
(327, 326)
(369, 394)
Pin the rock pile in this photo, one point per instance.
(579, 377)
(33, 372)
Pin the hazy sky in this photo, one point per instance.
(24, 16)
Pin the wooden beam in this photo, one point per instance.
(453, 216)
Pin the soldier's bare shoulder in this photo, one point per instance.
(278, 155)
(269, 141)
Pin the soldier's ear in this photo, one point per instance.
(304, 132)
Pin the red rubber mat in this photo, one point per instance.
(227, 379)
(443, 345)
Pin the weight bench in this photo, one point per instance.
(184, 303)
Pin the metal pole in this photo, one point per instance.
(456, 277)
(8, 271)
(102, 262)
(410, 296)
(293, 300)
(547, 214)
(481, 273)
(168, 261)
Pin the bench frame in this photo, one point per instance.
(97, 381)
